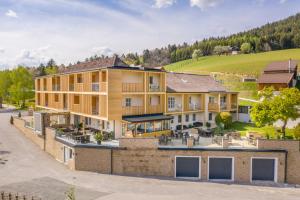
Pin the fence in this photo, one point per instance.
(12, 196)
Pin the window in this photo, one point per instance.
(211, 100)
(244, 109)
(151, 80)
(194, 117)
(76, 99)
(223, 100)
(210, 116)
(88, 121)
(56, 98)
(128, 102)
(171, 102)
(79, 78)
(71, 153)
(187, 118)
(179, 118)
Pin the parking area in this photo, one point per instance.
(25, 168)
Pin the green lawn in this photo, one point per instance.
(243, 64)
(243, 128)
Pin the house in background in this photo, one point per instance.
(279, 75)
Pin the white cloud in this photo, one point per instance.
(32, 57)
(11, 13)
(163, 3)
(2, 50)
(102, 51)
(203, 4)
(282, 1)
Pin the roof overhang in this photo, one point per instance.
(146, 118)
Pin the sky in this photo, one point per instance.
(33, 31)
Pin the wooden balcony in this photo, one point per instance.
(213, 107)
(177, 108)
(154, 109)
(103, 86)
(194, 107)
(133, 110)
(95, 110)
(154, 88)
(95, 87)
(132, 87)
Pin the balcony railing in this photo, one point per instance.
(176, 108)
(95, 111)
(155, 109)
(213, 106)
(233, 106)
(103, 86)
(71, 87)
(95, 87)
(194, 106)
(154, 88)
(56, 87)
(132, 87)
(223, 106)
(133, 110)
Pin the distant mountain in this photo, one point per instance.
(283, 34)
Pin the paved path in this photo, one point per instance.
(22, 161)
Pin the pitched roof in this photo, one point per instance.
(275, 78)
(281, 66)
(95, 64)
(179, 82)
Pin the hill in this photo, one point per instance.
(243, 64)
(229, 70)
(283, 34)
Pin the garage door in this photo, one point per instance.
(220, 168)
(187, 167)
(263, 169)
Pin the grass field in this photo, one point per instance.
(243, 128)
(243, 64)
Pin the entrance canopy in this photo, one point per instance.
(146, 118)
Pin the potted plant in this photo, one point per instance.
(208, 124)
(98, 137)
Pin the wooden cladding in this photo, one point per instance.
(79, 82)
(133, 110)
(132, 87)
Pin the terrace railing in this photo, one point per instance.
(132, 87)
(95, 87)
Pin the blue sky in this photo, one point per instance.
(33, 31)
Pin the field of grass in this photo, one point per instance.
(243, 128)
(243, 64)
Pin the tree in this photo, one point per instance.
(22, 87)
(246, 47)
(5, 83)
(281, 107)
(224, 118)
(197, 54)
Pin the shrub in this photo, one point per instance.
(296, 132)
(208, 125)
(224, 118)
(11, 120)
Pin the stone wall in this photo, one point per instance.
(161, 162)
(56, 148)
(93, 159)
(138, 143)
(28, 132)
(293, 156)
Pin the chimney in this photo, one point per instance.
(290, 65)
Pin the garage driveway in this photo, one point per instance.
(27, 169)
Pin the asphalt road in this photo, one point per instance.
(26, 169)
